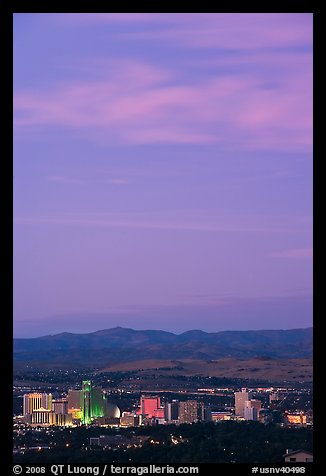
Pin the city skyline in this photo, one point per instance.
(162, 172)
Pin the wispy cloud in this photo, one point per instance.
(138, 104)
(206, 30)
(294, 253)
(252, 89)
(228, 31)
(178, 221)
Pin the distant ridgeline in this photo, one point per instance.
(126, 345)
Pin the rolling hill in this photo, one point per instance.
(102, 348)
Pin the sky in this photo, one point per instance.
(162, 172)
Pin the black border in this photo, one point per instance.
(7, 9)
(6, 203)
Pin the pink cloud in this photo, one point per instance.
(224, 30)
(138, 103)
(202, 30)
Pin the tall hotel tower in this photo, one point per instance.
(87, 400)
(191, 411)
(240, 401)
(87, 403)
(35, 401)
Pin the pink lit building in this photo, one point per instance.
(151, 407)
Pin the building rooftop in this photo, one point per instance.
(297, 451)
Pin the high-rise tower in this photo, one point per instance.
(35, 401)
(87, 400)
(191, 411)
(240, 401)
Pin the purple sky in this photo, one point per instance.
(162, 172)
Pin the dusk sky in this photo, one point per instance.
(162, 172)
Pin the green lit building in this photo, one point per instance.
(88, 403)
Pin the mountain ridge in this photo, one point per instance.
(190, 331)
(120, 344)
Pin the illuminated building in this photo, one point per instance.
(61, 419)
(191, 411)
(60, 416)
(159, 414)
(112, 410)
(43, 417)
(76, 413)
(171, 411)
(240, 400)
(219, 416)
(150, 407)
(94, 402)
(111, 417)
(75, 404)
(89, 403)
(35, 401)
(100, 407)
(251, 410)
(60, 406)
(40, 410)
(85, 406)
(296, 418)
(74, 399)
(86, 401)
(130, 419)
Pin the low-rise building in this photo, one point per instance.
(298, 456)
